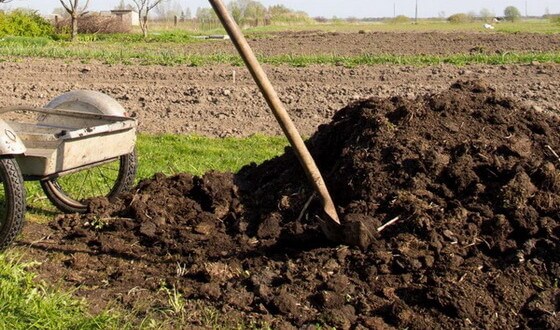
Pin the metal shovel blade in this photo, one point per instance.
(260, 77)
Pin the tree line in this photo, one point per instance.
(511, 13)
(243, 11)
(255, 13)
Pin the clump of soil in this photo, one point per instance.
(469, 178)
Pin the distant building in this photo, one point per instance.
(128, 17)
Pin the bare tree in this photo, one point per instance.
(144, 7)
(74, 9)
(5, 1)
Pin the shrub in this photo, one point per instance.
(400, 19)
(281, 15)
(94, 24)
(460, 18)
(24, 23)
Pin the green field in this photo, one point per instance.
(423, 25)
(148, 56)
(110, 53)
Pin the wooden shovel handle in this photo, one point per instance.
(291, 132)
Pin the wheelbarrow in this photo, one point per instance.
(80, 145)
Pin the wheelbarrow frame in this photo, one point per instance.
(77, 131)
(65, 141)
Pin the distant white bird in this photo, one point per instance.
(489, 26)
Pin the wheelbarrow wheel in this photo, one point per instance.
(70, 193)
(12, 201)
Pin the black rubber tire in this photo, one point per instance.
(12, 202)
(71, 204)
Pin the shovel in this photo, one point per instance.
(302, 153)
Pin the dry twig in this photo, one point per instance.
(305, 207)
(389, 223)
(553, 152)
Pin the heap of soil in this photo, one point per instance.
(470, 179)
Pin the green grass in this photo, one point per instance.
(152, 54)
(196, 154)
(416, 60)
(25, 304)
(531, 26)
(423, 25)
(170, 154)
(111, 53)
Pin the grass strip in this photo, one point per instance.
(152, 54)
(196, 155)
(543, 26)
(415, 60)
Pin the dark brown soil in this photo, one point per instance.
(471, 177)
(381, 43)
(398, 43)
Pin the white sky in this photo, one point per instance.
(347, 8)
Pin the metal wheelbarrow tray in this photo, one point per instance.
(63, 141)
(80, 145)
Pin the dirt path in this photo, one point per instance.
(207, 101)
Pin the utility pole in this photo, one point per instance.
(394, 10)
(526, 12)
(416, 13)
